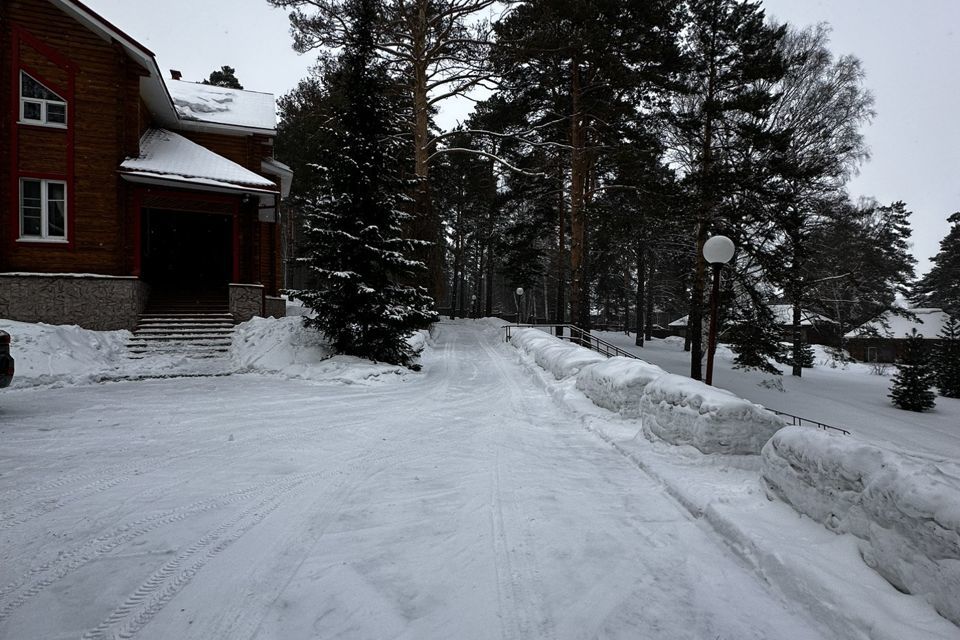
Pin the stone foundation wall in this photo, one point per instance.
(100, 303)
(274, 307)
(246, 301)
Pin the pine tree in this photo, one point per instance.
(225, 77)
(941, 286)
(914, 377)
(754, 336)
(733, 59)
(585, 70)
(807, 356)
(947, 359)
(354, 221)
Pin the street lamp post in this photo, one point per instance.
(519, 303)
(718, 251)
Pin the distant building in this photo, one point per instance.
(814, 328)
(883, 339)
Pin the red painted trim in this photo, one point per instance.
(44, 49)
(236, 245)
(20, 35)
(187, 195)
(36, 175)
(138, 232)
(110, 27)
(39, 77)
(14, 185)
(71, 159)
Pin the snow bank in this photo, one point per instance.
(46, 354)
(685, 411)
(562, 359)
(617, 383)
(673, 408)
(905, 512)
(277, 344)
(284, 346)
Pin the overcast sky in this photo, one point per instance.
(910, 52)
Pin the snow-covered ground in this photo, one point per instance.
(851, 397)
(308, 497)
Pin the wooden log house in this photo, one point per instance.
(118, 185)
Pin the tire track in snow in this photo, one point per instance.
(112, 476)
(42, 506)
(165, 583)
(170, 579)
(519, 582)
(69, 561)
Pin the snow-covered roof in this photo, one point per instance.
(208, 104)
(168, 156)
(929, 322)
(782, 315)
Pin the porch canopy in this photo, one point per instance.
(169, 159)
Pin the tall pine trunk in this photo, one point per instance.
(651, 272)
(641, 290)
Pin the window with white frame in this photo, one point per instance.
(43, 209)
(40, 105)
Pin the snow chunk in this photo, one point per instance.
(905, 511)
(46, 354)
(285, 346)
(618, 383)
(685, 411)
(223, 105)
(562, 359)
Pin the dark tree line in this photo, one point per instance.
(616, 137)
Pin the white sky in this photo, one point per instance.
(909, 51)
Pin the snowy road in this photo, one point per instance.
(457, 503)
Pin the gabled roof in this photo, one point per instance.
(205, 104)
(152, 89)
(177, 104)
(929, 322)
(782, 315)
(169, 158)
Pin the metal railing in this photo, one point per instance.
(583, 338)
(575, 335)
(799, 422)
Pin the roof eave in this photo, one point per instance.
(228, 129)
(152, 88)
(186, 182)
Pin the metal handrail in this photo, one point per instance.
(799, 422)
(577, 336)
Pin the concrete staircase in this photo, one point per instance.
(193, 324)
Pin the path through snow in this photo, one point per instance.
(461, 502)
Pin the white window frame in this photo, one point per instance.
(45, 235)
(44, 106)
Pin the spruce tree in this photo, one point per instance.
(807, 356)
(754, 336)
(355, 247)
(225, 77)
(914, 377)
(947, 359)
(941, 286)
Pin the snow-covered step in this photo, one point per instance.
(182, 329)
(194, 334)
